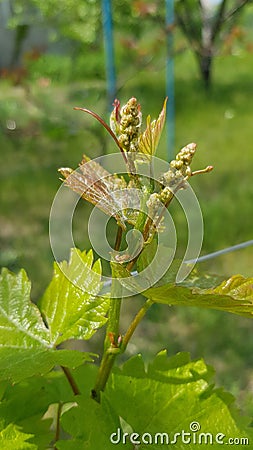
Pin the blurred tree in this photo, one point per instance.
(35, 25)
(139, 26)
(81, 19)
(76, 19)
(139, 30)
(205, 24)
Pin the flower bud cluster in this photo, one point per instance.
(110, 192)
(128, 124)
(180, 167)
(153, 204)
(172, 180)
(184, 159)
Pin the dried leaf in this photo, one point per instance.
(96, 185)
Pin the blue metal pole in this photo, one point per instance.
(109, 51)
(170, 80)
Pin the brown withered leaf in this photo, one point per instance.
(99, 187)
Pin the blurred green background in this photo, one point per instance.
(40, 131)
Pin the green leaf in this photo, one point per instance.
(91, 425)
(17, 364)
(25, 345)
(20, 319)
(202, 280)
(234, 295)
(149, 139)
(11, 438)
(168, 397)
(27, 404)
(70, 306)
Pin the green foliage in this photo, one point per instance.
(11, 438)
(77, 20)
(202, 290)
(90, 430)
(169, 395)
(44, 395)
(27, 345)
(174, 392)
(38, 393)
(18, 364)
(234, 295)
(140, 31)
(70, 306)
(65, 69)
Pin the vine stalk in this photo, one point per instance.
(114, 344)
(132, 327)
(112, 331)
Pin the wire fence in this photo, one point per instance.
(203, 258)
(223, 251)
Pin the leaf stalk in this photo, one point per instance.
(71, 380)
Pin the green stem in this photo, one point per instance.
(148, 226)
(132, 327)
(110, 344)
(114, 313)
(103, 375)
(112, 352)
(112, 331)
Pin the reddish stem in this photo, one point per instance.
(71, 380)
(92, 113)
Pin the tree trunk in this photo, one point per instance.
(205, 65)
(21, 34)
